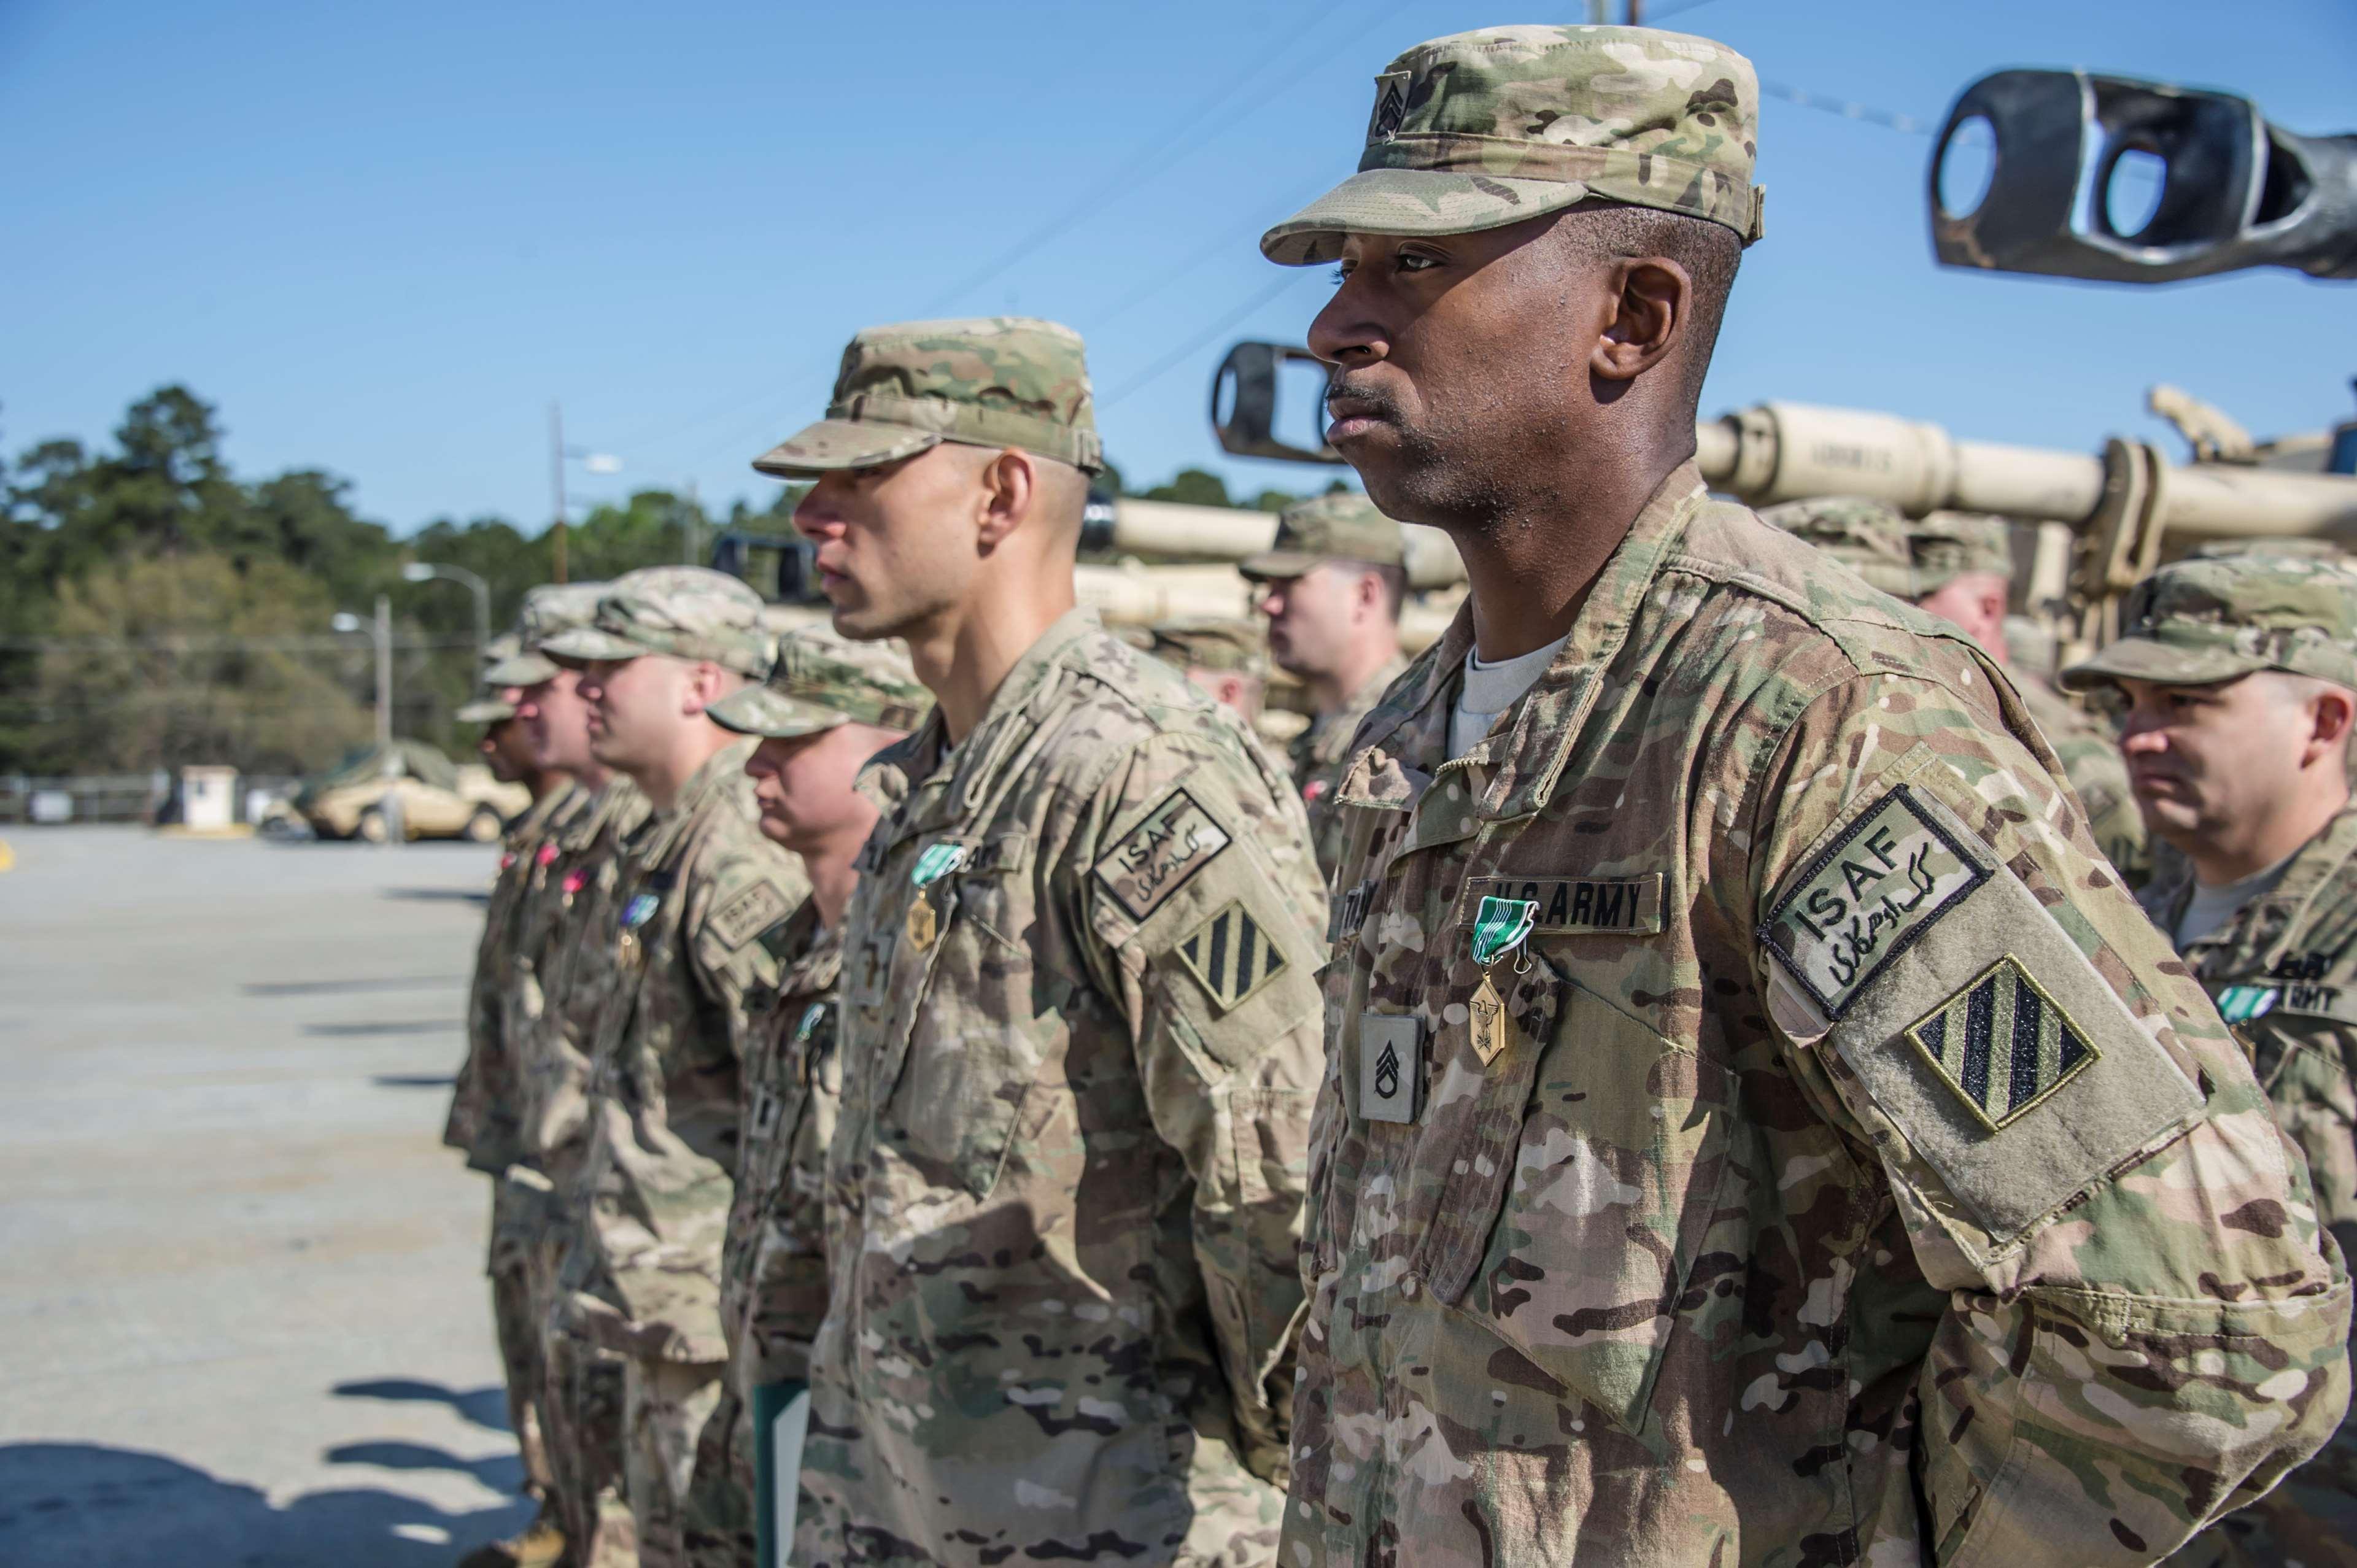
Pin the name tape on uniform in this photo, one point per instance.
(1869, 895)
(1577, 906)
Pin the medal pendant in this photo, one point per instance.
(627, 949)
(923, 924)
(1490, 1027)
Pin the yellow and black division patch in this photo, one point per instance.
(2002, 1044)
(1230, 955)
(1155, 858)
(748, 914)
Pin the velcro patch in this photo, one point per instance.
(1230, 955)
(1621, 905)
(752, 911)
(1390, 1066)
(1154, 859)
(2002, 1044)
(1869, 895)
(866, 968)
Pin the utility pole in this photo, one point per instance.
(1636, 13)
(691, 530)
(384, 669)
(1598, 12)
(556, 479)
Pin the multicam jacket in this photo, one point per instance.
(1319, 754)
(2284, 974)
(1080, 1043)
(773, 1260)
(1827, 1165)
(703, 900)
(2091, 762)
(483, 1109)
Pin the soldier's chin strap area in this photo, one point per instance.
(2070, 174)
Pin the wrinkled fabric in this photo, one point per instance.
(1062, 1200)
(2098, 773)
(1320, 753)
(1835, 1167)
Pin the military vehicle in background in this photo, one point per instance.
(362, 795)
(2065, 174)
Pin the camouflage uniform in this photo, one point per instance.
(703, 900)
(1911, 557)
(1079, 1045)
(773, 1259)
(2283, 971)
(1759, 1127)
(1310, 533)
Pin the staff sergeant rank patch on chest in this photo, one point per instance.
(1155, 858)
(1619, 906)
(1868, 896)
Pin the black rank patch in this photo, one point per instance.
(1230, 955)
(2002, 1044)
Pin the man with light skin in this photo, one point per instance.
(1758, 1129)
(1331, 585)
(2239, 680)
(827, 707)
(1079, 1022)
(1222, 658)
(704, 897)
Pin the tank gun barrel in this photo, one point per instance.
(1170, 531)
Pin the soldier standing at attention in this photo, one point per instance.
(703, 898)
(1223, 659)
(1959, 566)
(827, 707)
(1080, 1023)
(1331, 584)
(1760, 1128)
(485, 1116)
(2241, 680)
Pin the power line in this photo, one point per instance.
(1886, 118)
(1163, 366)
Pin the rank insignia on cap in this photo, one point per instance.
(1151, 862)
(1232, 956)
(2002, 1044)
(1391, 106)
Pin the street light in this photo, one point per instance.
(426, 571)
(344, 620)
(559, 454)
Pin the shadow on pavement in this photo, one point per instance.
(440, 894)
(386, 1026)
(415, 1081)
(337, 987)
(485, 1407)
(78, 1505)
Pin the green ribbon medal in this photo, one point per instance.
(2241, 1003)
(1501, 924)
(937, 862)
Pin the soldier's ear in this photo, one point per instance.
(2331, 712)
(1010, 495)
(1651, 297)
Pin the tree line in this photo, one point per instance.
(157, 610)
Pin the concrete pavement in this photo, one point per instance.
(243, 1320)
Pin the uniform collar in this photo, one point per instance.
(705, 786)
(2266, 924)
(941, 783)
(1517, 768)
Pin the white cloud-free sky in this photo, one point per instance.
(382, 239)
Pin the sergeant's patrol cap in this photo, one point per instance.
(2198, 622)
(1907, 557)
(1483, 129)
(548, 611)
(1211, 643)
(687, 612)
(998, 380)
(1344, 527)
(819, 681)
(486, 711)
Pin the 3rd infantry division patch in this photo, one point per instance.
(2002, 1044)
(1230, 955)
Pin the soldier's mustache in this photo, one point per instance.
(1357, 401)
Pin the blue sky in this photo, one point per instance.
(382, 239)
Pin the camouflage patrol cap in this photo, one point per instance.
(687, 612)
(998, 381)
(2197, 622)
(1209, 643)
(1344, 527)
(548, 611)
(2271, 544)
(1946, 546)
(486, 711)
(1483, 129)
(820, 681)
(1867, 536)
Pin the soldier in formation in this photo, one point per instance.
(1331, 584)
(1732, 1112)
(2239, 677)
(1223, 659)
(1959, 567)
(1080, 1023)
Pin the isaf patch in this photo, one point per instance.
(1230, 955)
(748, 914)
(1154, 859)
(1868, 896)
(2003, 1044)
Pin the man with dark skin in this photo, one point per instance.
(1727, 1003)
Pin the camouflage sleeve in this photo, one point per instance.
(731, 926)
(484, 1119)
(2143, 1328)
(1207, 925)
